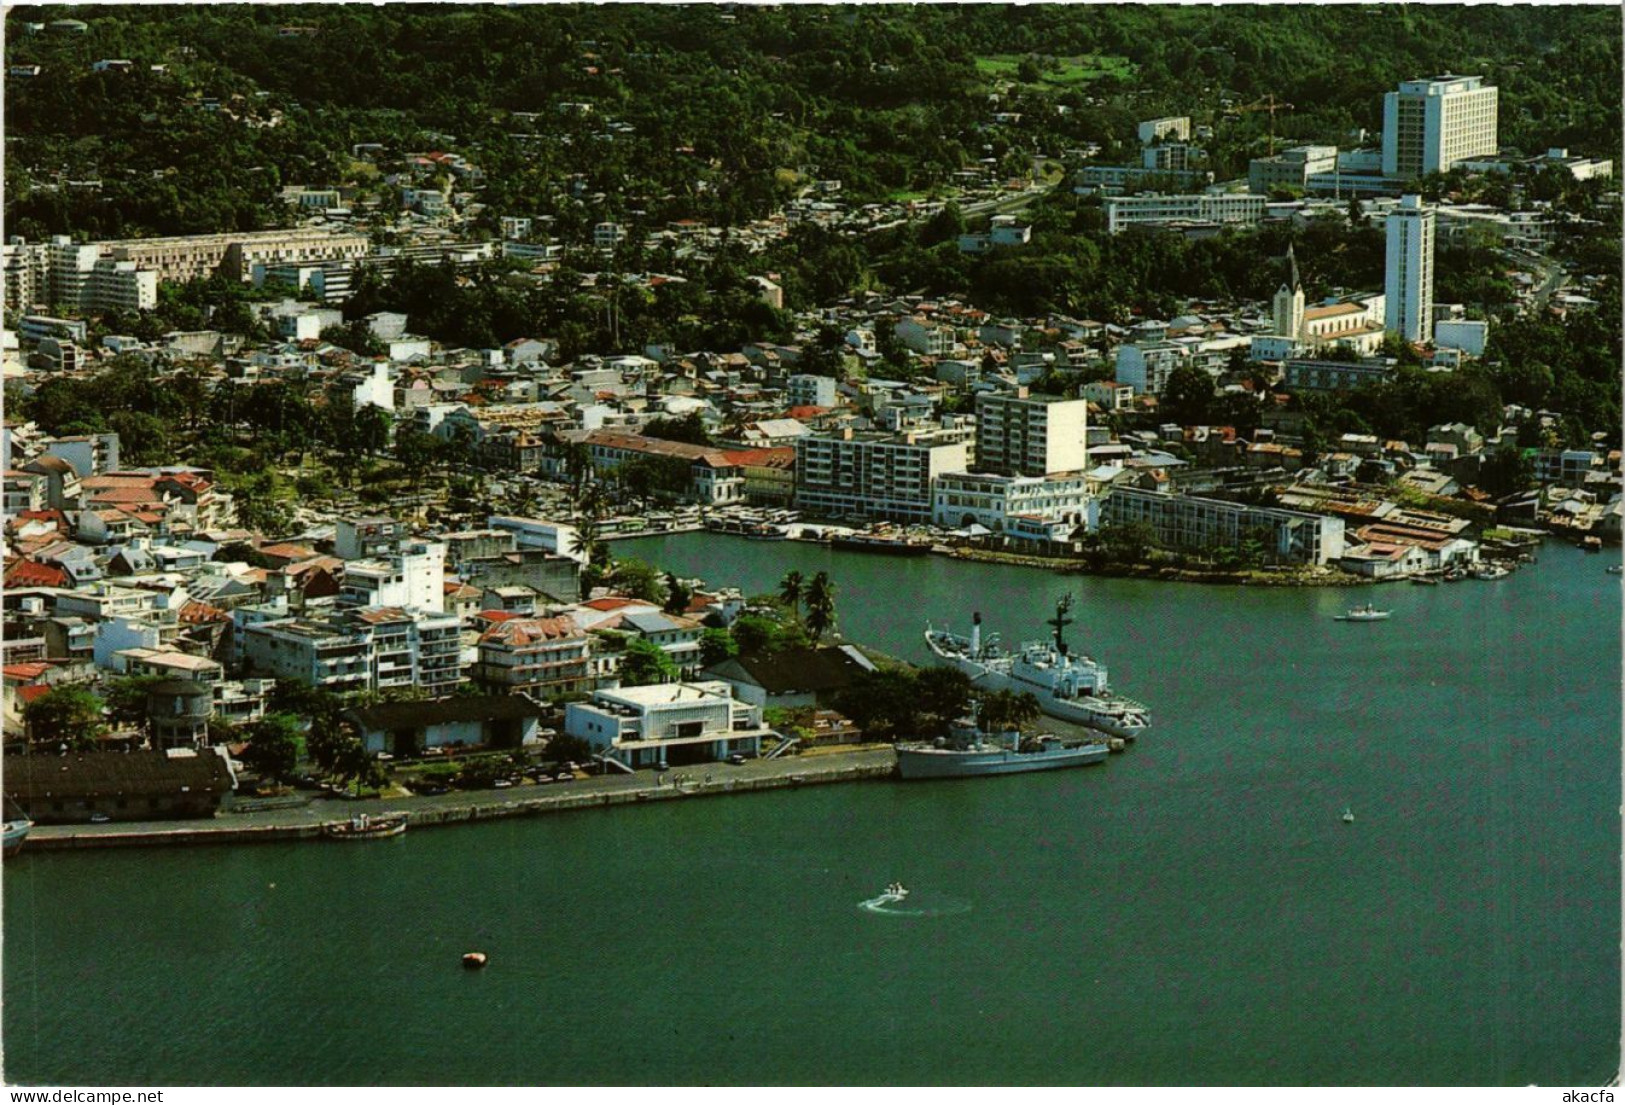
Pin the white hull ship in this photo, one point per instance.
(1366, 613)
(1068, 687)
(968, 754)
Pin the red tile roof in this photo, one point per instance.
(614, 602)
(126, 494)
(31, 573)
(195, 612)
(528, 631)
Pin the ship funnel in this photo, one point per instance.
(976, 634)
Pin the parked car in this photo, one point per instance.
(99, 818)
(736, 759)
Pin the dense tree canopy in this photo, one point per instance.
(721, 113)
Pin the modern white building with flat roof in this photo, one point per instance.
(667, 724)
(1190, 522)
(1018, 434)
(876, 475)
(1409, 281)
(963, 499)
(1123, 212)
(1428, 125)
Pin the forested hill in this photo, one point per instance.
(719, 112)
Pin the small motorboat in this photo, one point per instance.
(366, 827)
(1348, 815)
(475, 960)
(1363, 613)
(1615, 569)
(15, 832)
(897, 890)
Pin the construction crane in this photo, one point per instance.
(1270, 104)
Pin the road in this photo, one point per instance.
(1556, 278)
(709, 778)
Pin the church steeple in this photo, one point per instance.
(1289, 301)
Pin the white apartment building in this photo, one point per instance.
(76, 276)
(1175, 127)
(38, 327)
(366, 650)
(1428, 125)
(102, 600)
(70, 263)
(667, 724)
(27, 274)
(119, 286)
(1108, 395)
(328, 281)
(1468, 335)
(1146, 367)
(1330, 375)
(1409, 277)
(1171, 157)
(336, 658)
(607, 236)
(413, 648)
(1189, 522)
(961, 499)
(1291, 168)
(876, 475)
(90, 454)
(358, 538)
(234, 255)
(413, 577)
(538, 656)
(925, 337)
(810, 391)
(1115, 178)
(1018, 434)
(23, 491)
(1234, 208)
(534, 533)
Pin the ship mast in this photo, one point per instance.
(1060, 622)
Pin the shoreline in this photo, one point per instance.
(1075, 566)
(305, 821)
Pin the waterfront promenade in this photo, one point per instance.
(304, 822)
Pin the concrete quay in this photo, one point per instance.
(305, 821)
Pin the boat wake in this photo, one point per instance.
(909, 905)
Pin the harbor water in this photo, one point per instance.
(1195, 911)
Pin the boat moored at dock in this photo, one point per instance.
(968, 752)
(885, 544)
(1069, 687)
(366, 827)
(15, 833)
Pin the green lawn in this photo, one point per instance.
(1059, 72)
(905, 196)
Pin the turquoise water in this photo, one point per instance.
(1192, 912)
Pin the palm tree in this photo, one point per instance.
(791, 591)
(820, 606)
